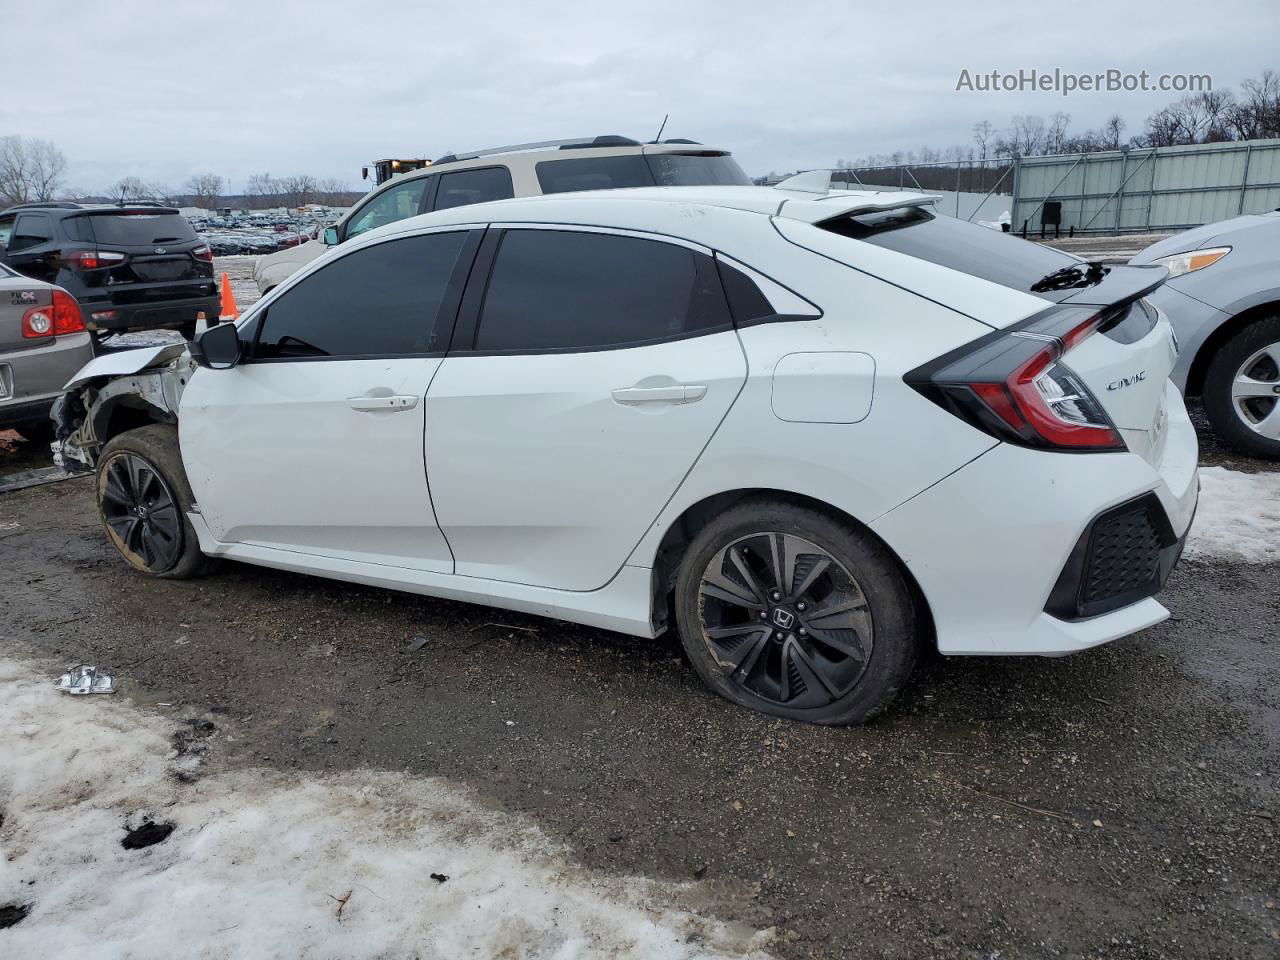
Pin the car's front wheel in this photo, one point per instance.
(1242, 389)
(791, 612)
(143, 500)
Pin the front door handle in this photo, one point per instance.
(379, 404)
(677, 393)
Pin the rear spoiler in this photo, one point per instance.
(844, 203)
(1121, 286)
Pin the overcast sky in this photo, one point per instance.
(162, 90)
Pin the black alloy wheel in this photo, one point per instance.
(141, 510)
(785, 620)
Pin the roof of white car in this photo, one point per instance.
(610, 204)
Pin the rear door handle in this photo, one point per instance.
(679, 393)
(377, 404)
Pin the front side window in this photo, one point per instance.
(6, 231)
(381, 301)
(397, 203)
(473, 186)
(31, 230)
(564, 291)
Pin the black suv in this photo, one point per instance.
(131, 267)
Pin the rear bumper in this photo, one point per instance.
(149, 316)
(34, 378)
(989, 544)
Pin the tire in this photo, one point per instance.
(1236, 422)
(188, 331)
(844, 587)
(148, 460)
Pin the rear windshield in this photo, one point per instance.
(979, 251)
(138, 229)
(634, 170)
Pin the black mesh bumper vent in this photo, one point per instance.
(1124, 556)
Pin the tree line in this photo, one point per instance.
(1213, 116)
(32, 170)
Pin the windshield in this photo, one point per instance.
(139, 229)
(979, 251)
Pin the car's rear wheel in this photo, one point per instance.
(143, 500)
(791, 612)
(1242, 389)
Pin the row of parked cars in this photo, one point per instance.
(682, 406)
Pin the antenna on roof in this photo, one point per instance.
(665, 117)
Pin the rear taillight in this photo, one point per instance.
(203, 252)
(67, 317)
(61, 318)
(1014, 385)
(94, 259)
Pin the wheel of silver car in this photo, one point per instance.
(143, 500)
(1242, 389)
(785, 620)
(139, 507)
(791, 612)
(1255, 391)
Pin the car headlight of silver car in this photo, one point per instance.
(1192, 260)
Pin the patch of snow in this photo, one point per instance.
(1238, 517)
(260, 860)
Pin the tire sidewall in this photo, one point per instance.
(157, 446)
(875, 570)
(1219, 377)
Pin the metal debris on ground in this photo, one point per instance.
(34, 478)
(415, 645)
(85, 679)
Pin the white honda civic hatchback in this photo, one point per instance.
(812, 432)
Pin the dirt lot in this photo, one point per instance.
(1119, 803)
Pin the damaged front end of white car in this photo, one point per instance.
(118, 391)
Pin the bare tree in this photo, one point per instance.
(983, 132)
(298, 190)
(1056, 134)
(30, 169)
(1112, 131)
(263, 190)
(132, 188)
(205, 188)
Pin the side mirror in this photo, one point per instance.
(331, 236)
(217, 348)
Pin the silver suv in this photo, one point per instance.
(522, 170)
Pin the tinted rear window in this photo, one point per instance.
(696, 170)
(634, 170)
(562, 290)
(979, 251)
(139, 229)
(593, 173)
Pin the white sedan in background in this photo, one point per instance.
(812, 432)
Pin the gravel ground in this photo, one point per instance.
(1120, 803)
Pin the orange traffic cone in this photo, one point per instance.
(228, 310)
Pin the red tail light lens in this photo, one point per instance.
(1013, 385)
(67, 316)
(94, 259)
(203, 252)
